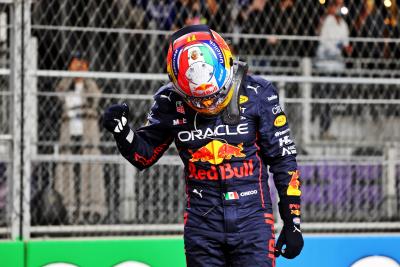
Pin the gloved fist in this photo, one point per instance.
(291, 237)
(115, 119)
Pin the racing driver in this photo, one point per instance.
(229, 128)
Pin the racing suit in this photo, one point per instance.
(228, 219)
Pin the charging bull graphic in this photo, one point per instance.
(294, 184)
(216, 152)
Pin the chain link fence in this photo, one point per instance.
(69, 60)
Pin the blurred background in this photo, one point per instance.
(335, 63)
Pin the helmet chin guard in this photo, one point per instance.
(231, 115)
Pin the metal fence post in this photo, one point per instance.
(282, 94)
(20, 185)
(306, 67)
(27, 119)
(16, 86)
(128, 200)
(390, 183)
(32, 94)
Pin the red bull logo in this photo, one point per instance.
(216, 152)
(226, 171)
(204, 86)
(295, 209)
(294, 184)
(204, 89)
(295, 212)
(156, 153)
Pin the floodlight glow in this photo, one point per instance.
(344, 10)
(387, 3)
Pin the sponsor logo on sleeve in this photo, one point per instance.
(156, 153)
(276, 109)
(295, 212)
(280, 121)
(294, 206)
(284, 141)
(272, 97)
(280, 133)
(179, 107)
(296, 220)
(290, 150)
(179, 121)
(294, 185)
(243, 99)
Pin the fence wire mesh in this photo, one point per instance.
(6, 125)
(344, 169)
(132, 35)
(5, 148)
(347, 127)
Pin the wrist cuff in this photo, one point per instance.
(289, 209)
(130, 136)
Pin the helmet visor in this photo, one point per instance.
(212, 104)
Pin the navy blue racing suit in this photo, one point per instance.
(228, 219)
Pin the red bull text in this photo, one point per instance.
(225, 171)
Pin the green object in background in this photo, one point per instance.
(12, 254)
(106, 253)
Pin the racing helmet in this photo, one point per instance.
(200, 66)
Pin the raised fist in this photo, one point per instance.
(115, 119)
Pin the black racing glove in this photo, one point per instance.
(290, 235)
(115, 120)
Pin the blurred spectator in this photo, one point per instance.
(219, 15)
(393, 22)
(160, 15)
(172, 15)
(191, 11)
(282, 12)
(334, 39)
(82, 186)
(47, 207)
(370, 23)
(289, 19)
(283, 16)
(334, 44)
(251, 19)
